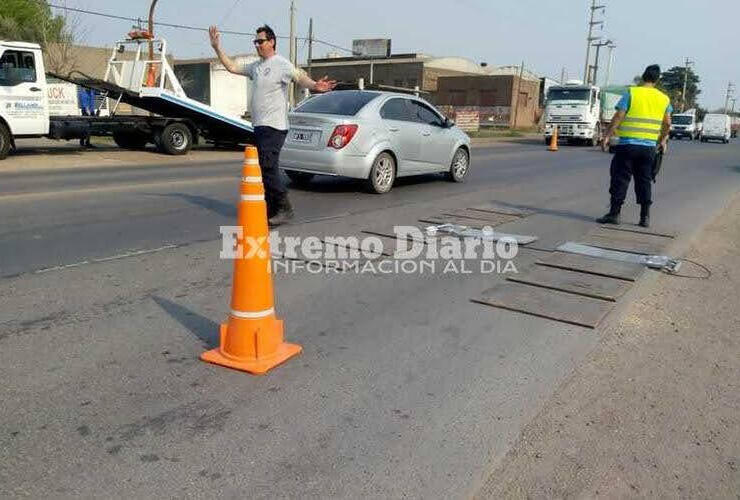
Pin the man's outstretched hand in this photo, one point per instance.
(325, 85)
(215, 37)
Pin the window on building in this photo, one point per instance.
(17, 67)
(488, 97)
(412, 83)
(398, 83)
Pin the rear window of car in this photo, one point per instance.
(341, 102)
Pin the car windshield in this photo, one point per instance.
(568, 95)
(341, 102)
(683, 120)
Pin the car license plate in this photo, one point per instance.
(302, 136)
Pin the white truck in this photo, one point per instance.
(174, 122)
(575, 109)
(717, 127)
(684, 125)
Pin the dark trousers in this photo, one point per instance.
(269, 143)
(632, 161)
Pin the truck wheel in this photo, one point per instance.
(596, 139)
(4, 141)
(176, 139)
(130, 140)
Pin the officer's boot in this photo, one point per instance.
(613, 216)
(283, 211)
(644, 215)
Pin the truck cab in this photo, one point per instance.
(575, 110)
(684, 125)
(24, 108)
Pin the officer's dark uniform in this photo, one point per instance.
(635, 154)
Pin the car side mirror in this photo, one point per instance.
(448, 123)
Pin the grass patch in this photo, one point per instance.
(496, 132)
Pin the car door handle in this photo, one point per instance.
(35, 89)
(426, 134)
(393, 129)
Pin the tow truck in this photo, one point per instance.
(174, 122)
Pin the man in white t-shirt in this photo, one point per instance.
(271, 76)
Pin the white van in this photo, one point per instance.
(716, 127)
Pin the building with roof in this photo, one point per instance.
(399, 70)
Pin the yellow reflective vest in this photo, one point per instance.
(644, 118)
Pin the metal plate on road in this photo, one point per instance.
(630, 236)
(456, 219)
(585, 284)
(622, 245)
(502, 209)
(550, 304)
(594, 265)
(640, 230)
(492, 218)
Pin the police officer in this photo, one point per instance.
(642, 121)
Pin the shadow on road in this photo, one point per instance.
(328, 184)
(558, 213)
(215, 206)
(204, 329)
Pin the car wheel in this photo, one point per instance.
(460, 166)
(4, 141)
(382, 174)
(299, 178)
(176, 139)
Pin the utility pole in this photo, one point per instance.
(591, 38)
(685, 81)
(598, 46)
(562, 76)
(518, 95)
(609, 64)
(730, 92)
(310, 45)
(291, 91)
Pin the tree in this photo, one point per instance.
(31, 21)
(672, 83)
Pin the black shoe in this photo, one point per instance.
(610, 218)
(644, 216)
(283, 213)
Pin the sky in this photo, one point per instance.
(547, 35)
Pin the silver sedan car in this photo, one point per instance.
(372, 135)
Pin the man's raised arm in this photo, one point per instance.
(228, 63)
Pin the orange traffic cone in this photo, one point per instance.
(554, 140)
(252, 340)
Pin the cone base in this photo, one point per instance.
(255, 366)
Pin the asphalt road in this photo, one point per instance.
(405, 388)
(52, 218)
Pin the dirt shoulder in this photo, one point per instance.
(655, 410)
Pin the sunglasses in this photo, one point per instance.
(260, 41)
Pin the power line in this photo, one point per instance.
(184, 26)
(228, 12)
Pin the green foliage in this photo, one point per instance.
(672, 84)
(31, 21)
